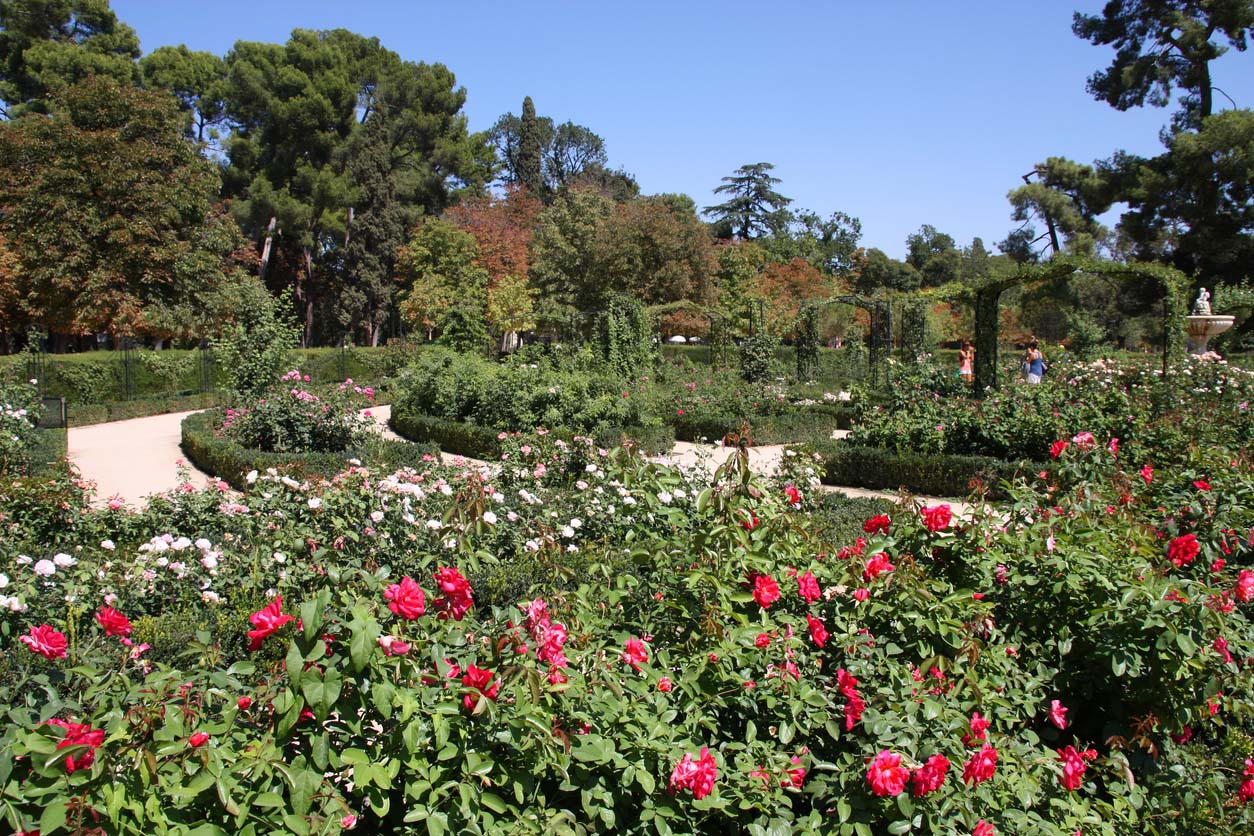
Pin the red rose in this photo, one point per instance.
(79, 734)
(406, 599)
(46, 642)
(457, 599)
(198, 739)
(481, 680)
(877, 523)
(244, 703)
(113, 622)
(267, 620)
(765, 590)
(1183, 550)
(876, 566)
(1073, 766)
(1056, 448)
(981, 766)
(817, 631)
(635, 653)
(929, 777)
(808, 588)
(793, 495)
(1245, 586)
(698, 775)
(938, 518)
(886, 775)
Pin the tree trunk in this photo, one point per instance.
(265, 250)
(307, 339)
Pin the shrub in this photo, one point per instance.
(290, 418)
(19, 419)
(254, 351)
(225, 458)
(679, 672)
(757, 357)
(939, 474)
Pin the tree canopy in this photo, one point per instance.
(1161, 45)
(753, 208)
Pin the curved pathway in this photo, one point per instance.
(129, 460)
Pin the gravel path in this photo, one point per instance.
(130, 460)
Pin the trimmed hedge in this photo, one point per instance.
(455, 437)
(231, 462)
(82, 415)
(936, 474)
(810, 424)
(465, 439)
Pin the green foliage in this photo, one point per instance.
(354, 714)
(45, 47)
(530, 150)
(808, 343)
(375, 234)
(757, 357)
(222, 457)
(84, 414)
(108, 161)
(19, 418)
(1086, 335)
(938, 474)
(288, 418)
(627, 337)
(457, 437)
(254, 351)
(517, 395)
(463, 329)
(753, 208)
(1160, 46)
(167, 369)
(1157, 418)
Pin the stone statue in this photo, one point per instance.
(1202, 306)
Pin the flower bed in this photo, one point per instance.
(589, 642)
(220, 456)
(460, 402)
(1154, 416)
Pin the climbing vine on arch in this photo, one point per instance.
(985, 297)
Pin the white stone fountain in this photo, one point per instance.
(1203, 325)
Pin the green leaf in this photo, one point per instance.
(365, 638)
(53, 817)
(900, 826)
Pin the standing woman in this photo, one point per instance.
(966, 362)
(1034, 361)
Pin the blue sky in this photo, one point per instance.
(897, 112)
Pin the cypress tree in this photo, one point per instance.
(530, 150)
(374, 235)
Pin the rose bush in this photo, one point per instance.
(290, 418)
(1155, 417)
(603, 644)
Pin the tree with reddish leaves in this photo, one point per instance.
(503, 228)
(783, 287)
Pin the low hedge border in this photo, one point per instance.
(82, 415)
(465, 439)
(807, 424)
(937, 474)
(231, 462)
